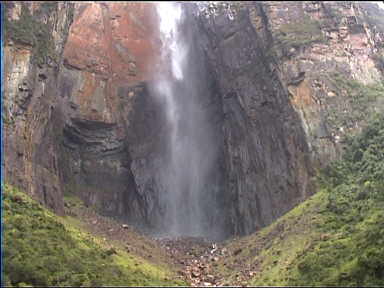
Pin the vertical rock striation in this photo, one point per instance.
(265, 155)
(35, 35)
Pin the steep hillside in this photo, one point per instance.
(42, 249)
(333, 238)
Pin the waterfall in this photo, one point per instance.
(190, 150)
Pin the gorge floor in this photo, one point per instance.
(194, 260)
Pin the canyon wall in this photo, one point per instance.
(266, 157)
(80, 117)
(330, 57)
(35, 35)
(66, 118)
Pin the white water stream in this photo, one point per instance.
(184, 175)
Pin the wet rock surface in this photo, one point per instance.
(261, 131)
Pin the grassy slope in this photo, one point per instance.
(110, 232)
(42, 249)
(334, 238)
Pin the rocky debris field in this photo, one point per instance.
(115, 233)
(195, 260)
(197, 257)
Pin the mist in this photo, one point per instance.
(190, 152)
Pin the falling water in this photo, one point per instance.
(190, 149)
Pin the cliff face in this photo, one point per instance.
(266, 158)
(67, 106)
(31, 100)
(330, 56)
(80, 118)
(108, 55)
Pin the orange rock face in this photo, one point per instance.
(109, 46)
(113, 40)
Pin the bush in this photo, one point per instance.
(355, 214)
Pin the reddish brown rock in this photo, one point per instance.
(110, 45)
(113, 40)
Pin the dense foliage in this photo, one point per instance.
(41, 249)
(354, 215)
(334, 238)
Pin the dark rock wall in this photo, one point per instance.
(267, 162)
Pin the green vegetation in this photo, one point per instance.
(298, 34)
(354, 216)
(30, 30)
(334, 238)
(357, 103)
(42, 249)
